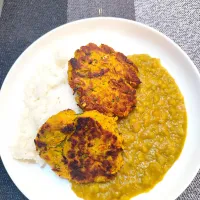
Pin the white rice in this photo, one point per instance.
(45, 94)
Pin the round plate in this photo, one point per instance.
(125, 36)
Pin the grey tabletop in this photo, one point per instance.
(22, 22)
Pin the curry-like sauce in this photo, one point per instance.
(153, 133)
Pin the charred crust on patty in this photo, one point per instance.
(88, 130)
(88, 153)
(74, 62)
(68, 128)
(93, 80)
(40, 144)
(44, 128)
(107, 49)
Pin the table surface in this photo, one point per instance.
(22, 22)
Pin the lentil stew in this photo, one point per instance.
(154, 134)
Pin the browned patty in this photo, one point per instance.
(103, 79)
(79, 148)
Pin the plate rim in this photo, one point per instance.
(155, 31)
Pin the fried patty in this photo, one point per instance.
(83, 148)
(103, 80)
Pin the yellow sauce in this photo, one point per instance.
(153, 133)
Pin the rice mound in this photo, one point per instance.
(45, 94)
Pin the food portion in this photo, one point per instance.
(111, 151)
(45, 94)
(153, 134)
(83, 148)
(104, 80)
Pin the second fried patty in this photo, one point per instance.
(104, 80)
(83, 148)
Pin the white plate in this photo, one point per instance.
(128, 37)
